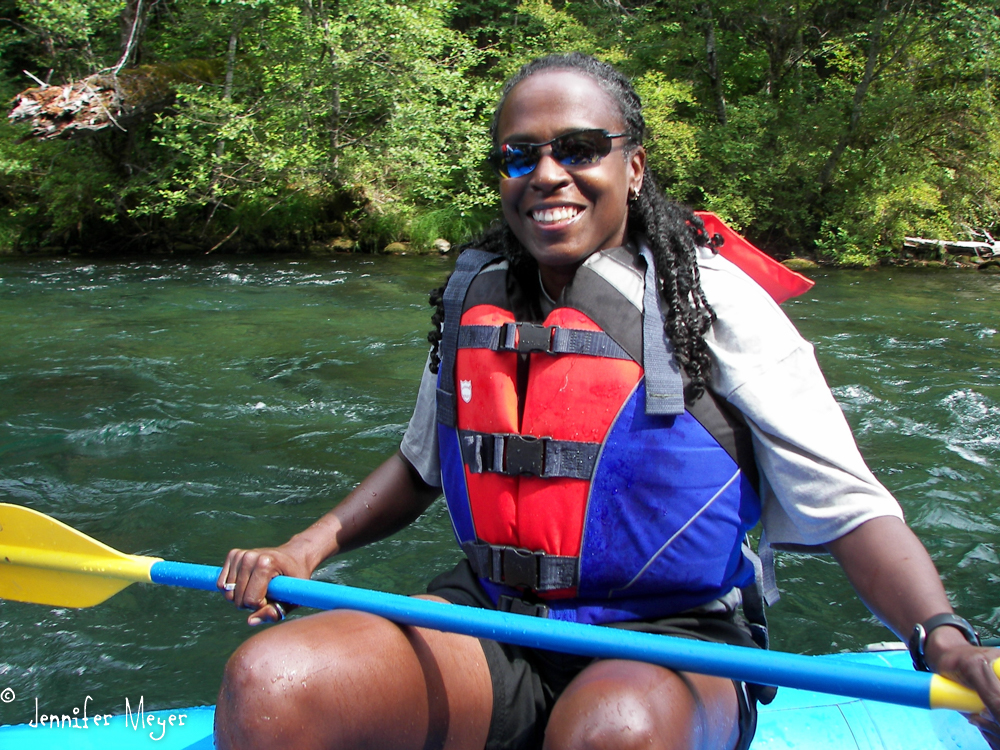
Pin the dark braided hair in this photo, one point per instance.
(671, 231)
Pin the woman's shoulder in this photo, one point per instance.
(726, 285)
(751, 333)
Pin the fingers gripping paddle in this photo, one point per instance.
(44, 561)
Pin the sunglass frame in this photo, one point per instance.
(500, 161)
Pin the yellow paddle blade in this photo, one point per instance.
(44, 561)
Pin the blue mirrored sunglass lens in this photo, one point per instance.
(518, 160)
(521, 167)
(575, 152)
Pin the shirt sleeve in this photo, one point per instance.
(816, 486)
(420, 441)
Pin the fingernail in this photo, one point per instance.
(254, 622)
(229, 587)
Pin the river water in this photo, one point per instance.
(177, 409)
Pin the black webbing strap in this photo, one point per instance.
(521, 568)
(591, 343)
(533, 337)
(469, 264)
(517, 455)
(753, 598)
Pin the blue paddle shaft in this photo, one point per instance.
(734, 662)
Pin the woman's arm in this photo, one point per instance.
(896, 579)
(387, 500)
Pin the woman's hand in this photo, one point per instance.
(388, 499)
(246, 574)
(894, 575)
(971, 666)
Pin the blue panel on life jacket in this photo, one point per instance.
(453, 482)
(665, 499)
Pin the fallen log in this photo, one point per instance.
(105, 100)
(981, 249)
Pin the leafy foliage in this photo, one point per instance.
(824, 127)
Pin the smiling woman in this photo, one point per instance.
(609, 408)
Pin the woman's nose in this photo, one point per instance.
(549, 171)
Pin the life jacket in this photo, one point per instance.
(578, 483)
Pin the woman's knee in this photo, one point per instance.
(617, 705)
(348, 679)
(608, 717)
(617, 720)
(255, 703)
(291, 684)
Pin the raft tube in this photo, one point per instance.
(795, 720)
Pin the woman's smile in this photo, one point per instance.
(555, 216)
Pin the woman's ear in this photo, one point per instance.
(636, 168)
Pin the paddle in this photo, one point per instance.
(44, 561)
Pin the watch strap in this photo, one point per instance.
(921, 631)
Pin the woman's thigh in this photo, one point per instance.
(353, 680)
(617, 704)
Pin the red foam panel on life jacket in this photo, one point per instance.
(570, 397)
(574, 396)
(780, 282)
(486, 383)
(486, 394)
(550, 514)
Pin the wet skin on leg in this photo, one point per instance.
(354, 680)
(621, 705)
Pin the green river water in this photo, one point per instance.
(177, 409)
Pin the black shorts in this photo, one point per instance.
(527, 682)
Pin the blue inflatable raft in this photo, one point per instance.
(795, 720)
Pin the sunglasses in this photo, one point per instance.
(577, 149)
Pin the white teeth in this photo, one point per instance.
(552, 215)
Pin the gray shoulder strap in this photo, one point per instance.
(664, 386)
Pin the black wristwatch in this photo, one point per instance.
(918, 641)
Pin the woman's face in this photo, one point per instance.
(563, 215)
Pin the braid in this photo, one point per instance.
(437, 319)
(672, 232)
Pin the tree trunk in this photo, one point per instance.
(134, 19)
(857, 104)
(227, 87)
(335, 128)
(712, 60)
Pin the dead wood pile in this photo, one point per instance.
(106, 100)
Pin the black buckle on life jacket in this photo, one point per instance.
(518, 567)
(521, 568)
(517, 606)
(524, 455)
(525, 338)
